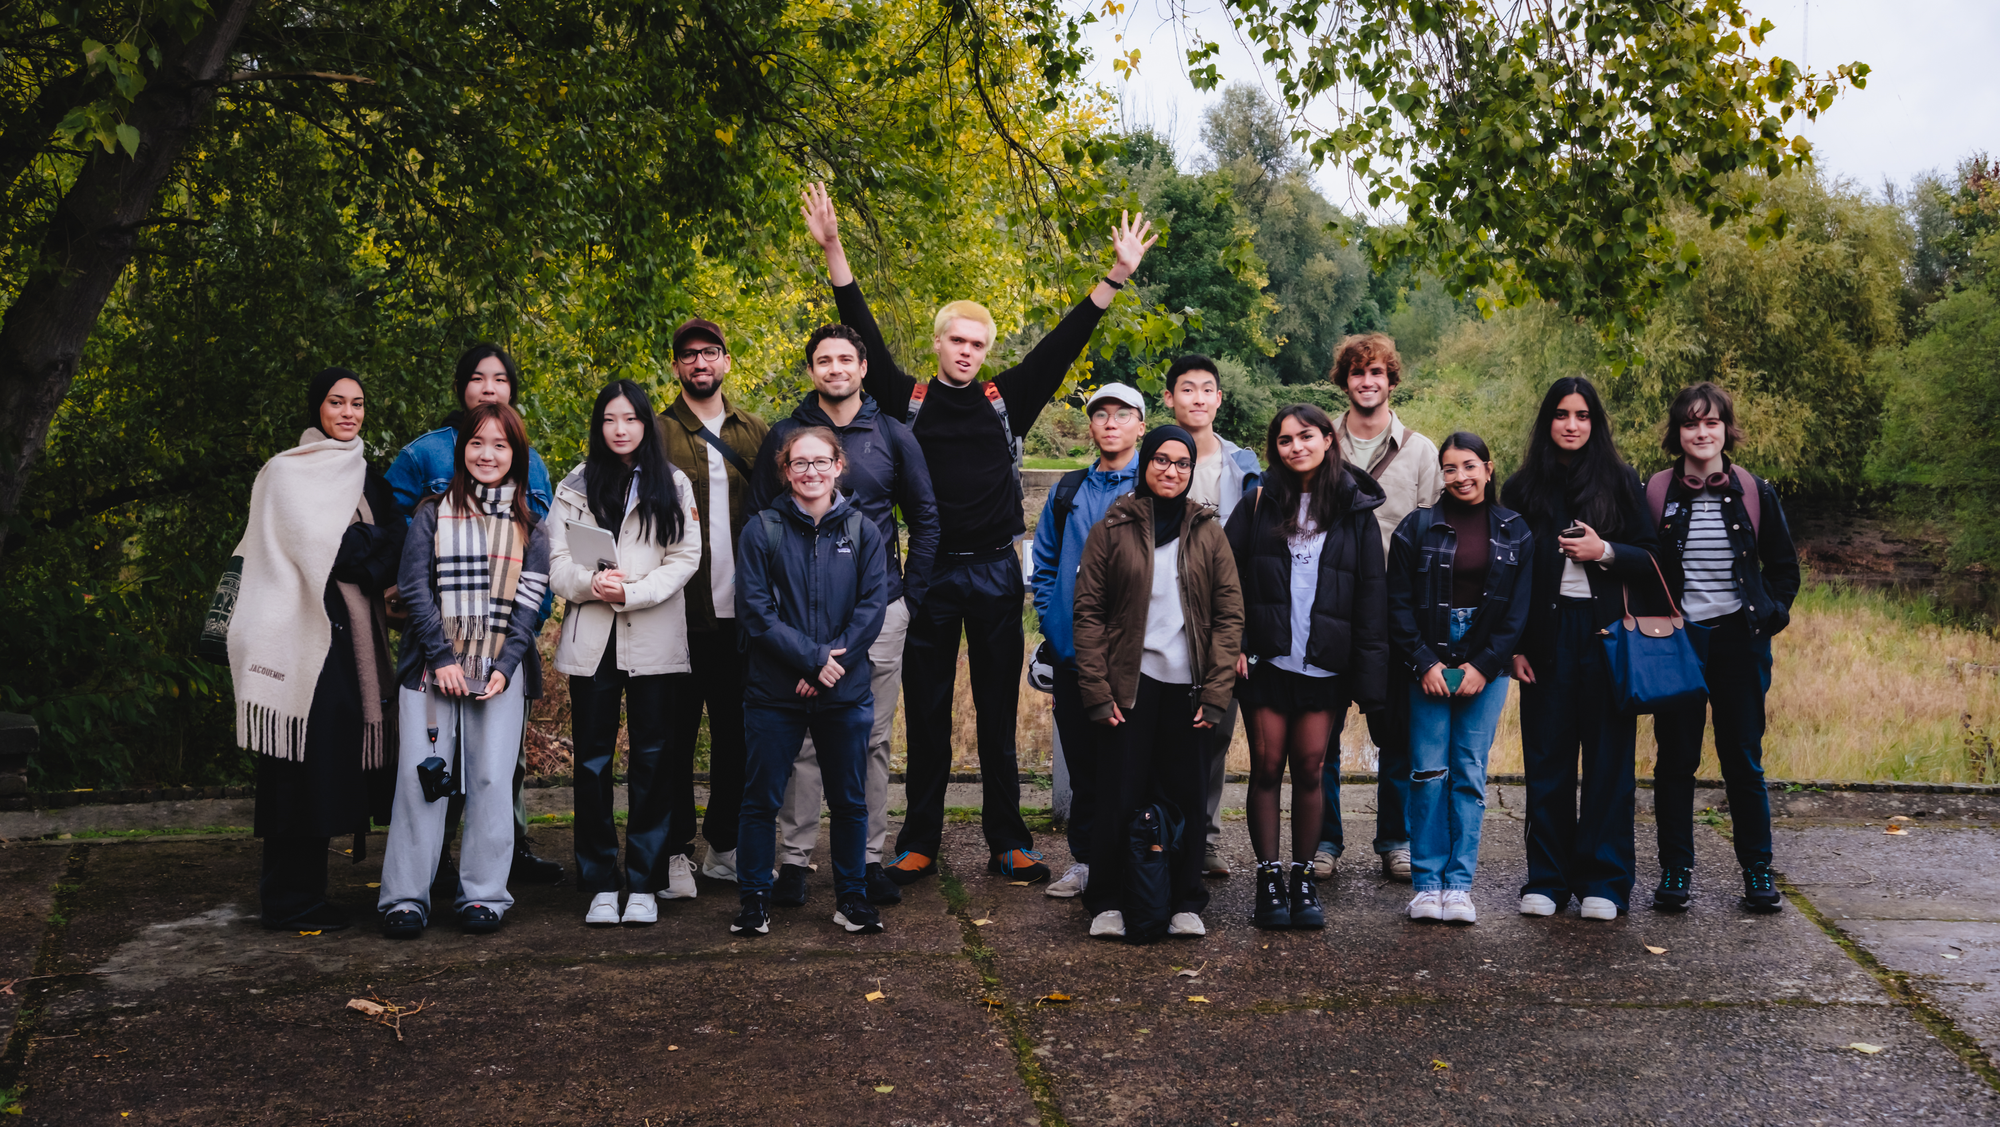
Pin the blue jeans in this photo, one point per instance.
(773, 737)
(1449, 739)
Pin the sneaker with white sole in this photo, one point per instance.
(1213, 863)
(1427, 905)
(1458, 907)
(1396, 865)
(1535, 904)
(755, 917)
(1599, 908)
(603, 910)
(858, 916)
(641, 910)
(720, 865)
(680, 878)
(1072, 883)
(1323, 864)
(1186, 923)
(1108, 925)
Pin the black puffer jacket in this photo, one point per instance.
(1350, 612)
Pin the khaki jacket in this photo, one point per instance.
(1412, 480)
(652, 623)
(742, 432)
(1114, 586)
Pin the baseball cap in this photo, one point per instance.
(1122, 393)
(694, 325)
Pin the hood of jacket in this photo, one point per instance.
(1368, 493)
(1133, 506)
(810, 414)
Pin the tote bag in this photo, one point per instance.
(1149, 877)
(1655, 662)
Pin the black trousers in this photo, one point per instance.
(294, 878)
(1156, 755)
(720, 668)
(1081, 742)
(981, 600)
(1579, 844)
(1738, 673)
(594, 705)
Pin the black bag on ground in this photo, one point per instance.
(1154, 841)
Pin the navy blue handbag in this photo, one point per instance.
(1656, 663)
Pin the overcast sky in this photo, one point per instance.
(1933, 95)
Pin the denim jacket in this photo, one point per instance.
(1766, 564)
(1420, 560)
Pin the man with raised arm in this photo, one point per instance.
(971, 433)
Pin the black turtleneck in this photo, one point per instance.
(1468, 565)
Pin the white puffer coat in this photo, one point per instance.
(652, 623)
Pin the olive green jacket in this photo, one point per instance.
(742, 432)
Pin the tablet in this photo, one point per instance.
(589, 542)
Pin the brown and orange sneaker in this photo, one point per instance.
(910, 867)
(1019, 865)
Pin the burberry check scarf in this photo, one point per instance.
(479, 577)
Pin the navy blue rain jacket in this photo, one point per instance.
(822, 589)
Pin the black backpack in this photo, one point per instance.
(1154, 842)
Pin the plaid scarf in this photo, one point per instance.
(479, 578)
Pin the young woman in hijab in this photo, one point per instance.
(1592, 538)
(1315, 637)
(308, 648)
(473, 575)
(624, 636)
(1159, 618)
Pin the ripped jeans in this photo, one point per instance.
(1449, 739)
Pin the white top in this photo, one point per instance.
(1306, 548)
(1710, 588)
(1575, 580)
(1205, 486)
(721, 553)
(1166, 655)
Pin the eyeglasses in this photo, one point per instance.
(1162, 462)
(712, 353)
(1121, 414)
(1697, 483)
(817, 465)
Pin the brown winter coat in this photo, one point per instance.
(1114, 584)
(742, 432)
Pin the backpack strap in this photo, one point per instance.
(1656, 495)
(1063, 499)
(774, 530)
(1753, 500)
(1016, 448)
(916, 403)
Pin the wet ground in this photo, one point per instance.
(157, 998)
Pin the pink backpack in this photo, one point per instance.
(1753, 503)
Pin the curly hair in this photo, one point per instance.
(1357, 351)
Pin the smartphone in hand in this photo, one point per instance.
(1575, 531)
(1453, 678)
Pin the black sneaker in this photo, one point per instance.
(1760, 890)
(403, 923)
(882, 890)
(1306, 911)
(1274, 902)
(858, 916)
(530, 869)
(478, 919)
(755, 918)
(1674, 891)
(320, 917)
(790, 889)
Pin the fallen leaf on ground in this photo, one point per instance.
(1440, 1065)
(1052, 999)
(374, 884)
(1951, 956)
(1203, 998)
(1018, 883)
(1897, 831)
(885, 1089)
(873, 996)
(981, 923)
(1190, 972)
(1865, 1047)
(991, 1003)
(309, 933)
(1656, 950)
(365, 1006)
(1900, 818)
(673, 1048)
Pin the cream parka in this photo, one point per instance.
(652, 624)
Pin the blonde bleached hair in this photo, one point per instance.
(963, 311)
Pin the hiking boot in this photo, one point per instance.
(881, 890)
(1427, 905)
(720, 865)
(1213, 863)
(858, 916)
(755, 917)
(1674, 891)
(910, 867)
(789, 891)
(1274, 902)
(680, 878)
(1072, 883)
(1396, 865)
(530, 869)
(1760, 890)
(478, 919)
(1108, 925)
(1306, 912)
(1458, 907)
(1019, 865)
(603, 911)
(1599, 908)
(1324, 864)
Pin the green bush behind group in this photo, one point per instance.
(1863, 346)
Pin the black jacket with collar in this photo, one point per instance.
(1766, 562)
(818, 590)
(1633, 543)
(1420, 561)
(885, 472)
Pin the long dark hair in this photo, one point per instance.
(460, 489)
(1331, 486)
(1476, 446)
(606, 478)
(1596, 486)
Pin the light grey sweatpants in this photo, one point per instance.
(798, 821)
(492, 734)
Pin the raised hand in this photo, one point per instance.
(1130, 241)
(823, 224)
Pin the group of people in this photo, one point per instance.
(788, 580)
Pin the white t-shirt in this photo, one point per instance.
(1306, 549)
(1362, 451)
(1205, 487)
(1165, 658)
(721, 553)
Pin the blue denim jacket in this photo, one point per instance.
(1059, 552)
(1420, 559)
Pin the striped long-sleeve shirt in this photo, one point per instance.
(1709, 591)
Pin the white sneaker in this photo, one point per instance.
(1185, 923)
(1108, 924)
(720, 865)
(1535, 904)
(641, 910)
(680, 878)
(1458, 907)
(1427, 905)
(1323, 864)
(1072, 882)
(603, 910)
(1396, 865)
(1599, 908)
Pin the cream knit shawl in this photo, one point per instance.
(300, 508)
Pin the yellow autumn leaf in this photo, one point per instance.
(310, 933)
(1895, 830)
(981, 923)
(1203, 998)
(1440, 1065)
(1865, 1047)
(885, 1089)
(673, 1048)
(873, 996)
(1656, 950)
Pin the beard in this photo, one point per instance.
(694, 391)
